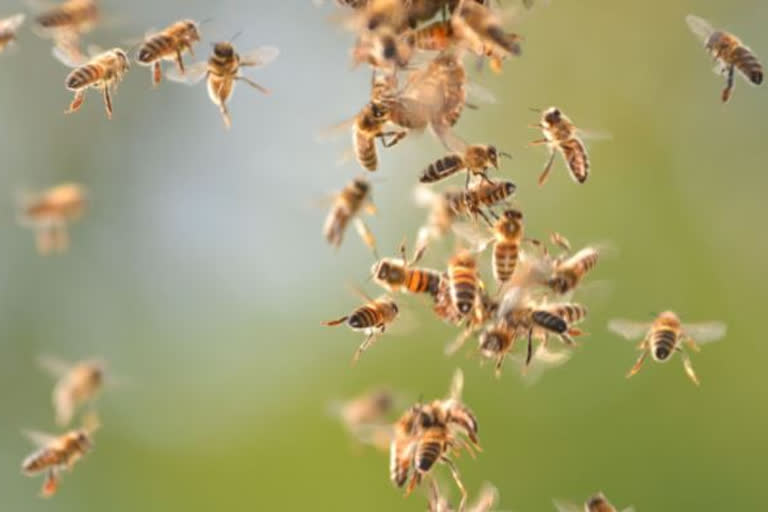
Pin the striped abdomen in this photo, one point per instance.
(429, 449)
(68, 17)
(422, 281)
(575, 155)
(549, 321)
(571, 313)
(156, 47)
(504, 260)
(365, 150)
(41, 460)
(490, 194)
(455, 97)
(365, 317)
(508, 41)
(746, 62)
(442, 168)
(84, 76)
(663, 342)
(463, 286)
(436, 36)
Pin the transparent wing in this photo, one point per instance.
(260, 56)
(457, 384)
(594, 134)
(628, 329)
(479, 93)
(513, 297)
(39, 439)
(488, 497)
(192, 75)
(700, 27)
(54, 366)
(68, 58)
(478, 238)
(563, 506)
(11, 23)
(543, 360)
(706, 332)
(424, 196)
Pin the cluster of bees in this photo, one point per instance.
(416, 52)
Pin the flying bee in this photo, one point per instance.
(597, 503)
(729, 53)
(561, 274)
(370, 124)
(57, 453)
(561, 135)
(104, 71)
(482, 195)
(395, 275)
(365, 417)
(353, 198)
(77, 384)
(372, 318)
(168, 44)
(475, 159)
(480, 29)
(665, 336)
(65, 23)
(464, 281)
(49, 212)
(223, 70)
(8, 28)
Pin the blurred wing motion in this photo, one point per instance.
(481, 94)
(69, 59)
(54, 366)
(594, 134)
(629, 329)
(191, 76)
(457, 385)
(11, 23)
(543, 359)
(700, 27)
(705, 332)
(39, 439)
(473, 235)
(260, 56)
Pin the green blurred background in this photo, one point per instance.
(200, 272)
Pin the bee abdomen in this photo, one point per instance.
(463, 289)
(427, 455)
(504, 260)
(364, 318)
(435, 36)
(442, 168)
(83, 77)
(154, 48)
(365, 150)
(550, 321)
(576, 157)
(663, 343)
(571, 313)
(422, 281)
(748, 64)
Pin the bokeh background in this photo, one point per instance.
(201, 275)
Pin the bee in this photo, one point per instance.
(57, 453)
(364, 417)
(369, 125)
(372, 318)
(479, 28)
(223, 70)
(103, 71)
(597, 503)
(483, 195)
(382, 49)
(729, 52)
(168, 44)
(49, 213)
(561, 135)
(475, 159)
(77, 384)
(561, 274)
(8, 28)
(665, 336)
(464, 281)
(65, 23)
(353, 198)
(395, 275)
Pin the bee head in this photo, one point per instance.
(493, 156)
(553, 116)
(509, 188)
(223, 50)
(379, 110)
(361, 186)
(122, 57)
(83, 440)
(193, 33)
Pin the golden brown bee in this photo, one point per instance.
(475, 159)
(57, 453)
(665, 336)
(370, 124)
(371, 318)
(104, 71)
(223, 70)
(49, 212)
(480, 29)
(65, 23)
(395, 275)
(365, 417)
(463, 281)
(597, 503)
(729, 52)
(8, 28)
(561, 135)
(77, 384)
(354, 197)
(482, 195)
(168, 44)
(436, 36)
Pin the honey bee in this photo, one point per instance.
(49, 212)
(65, 23)
(57, 453)
(77, 384)
(665, 336)
(561, 274)
(475, 159)
(395, 275)
(482, 195)
(597, 503)
(223, 70)
(729, 52)
(168, 44)
(382, 49)
(353, 198)
(372, 318)
(8, 28)
(104, 71)
(464, 281)
(480, 29)
(364, 417)
(561, 135)
(370, 124)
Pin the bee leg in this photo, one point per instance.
(537, 142)
(484, 216)
(726, 94)
(688, 366)
(363, 347)
(61, 238)
(44, 240)
(108, 101)
(366, 235)
(415, 481)
(499, 364)
(253, 84)
(180, 61)
(469, 176)
(339, 321)
(459, 342)
(225, 115)
(529, 354)
(50, 484)
(457, 479)
(547, 168)
(157, 73)
(638, 364)
(77, 101)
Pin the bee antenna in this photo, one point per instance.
(237, 34)
(537, 110)
(206, 20)
(505, 154)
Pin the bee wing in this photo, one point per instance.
(424, 196)
(543, 359)
(191, 76)
(336, 130)
(477, 238)
(628, 329)
(479, 93)
(39, 439)
(629, 509)
(488, 497)
(594, 134)
(91, 422)
(513, 297)
(54, 366)
(260, 56)
(563, 506)
(457, 385)
(12, 23)
(68, 58)
(700, 27)
(705, 332)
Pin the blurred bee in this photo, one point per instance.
(382, 49)
(168, 44)
(482, 195)
(463, 281)
(77, 384)
(480, 29)
(561, 274)
(475, 159)
(485, 502)
(66, 22)
(395, 275)
(597, 503)
(372, 318)
(49, 213)
(223, 70)
(561, 135)
(354, 197)
(8, 28)
(665, 336)
(104, 71)
(364, 417)
(370, 124)
(57, 453)
(729, 52)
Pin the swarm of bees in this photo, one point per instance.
(415, 51)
